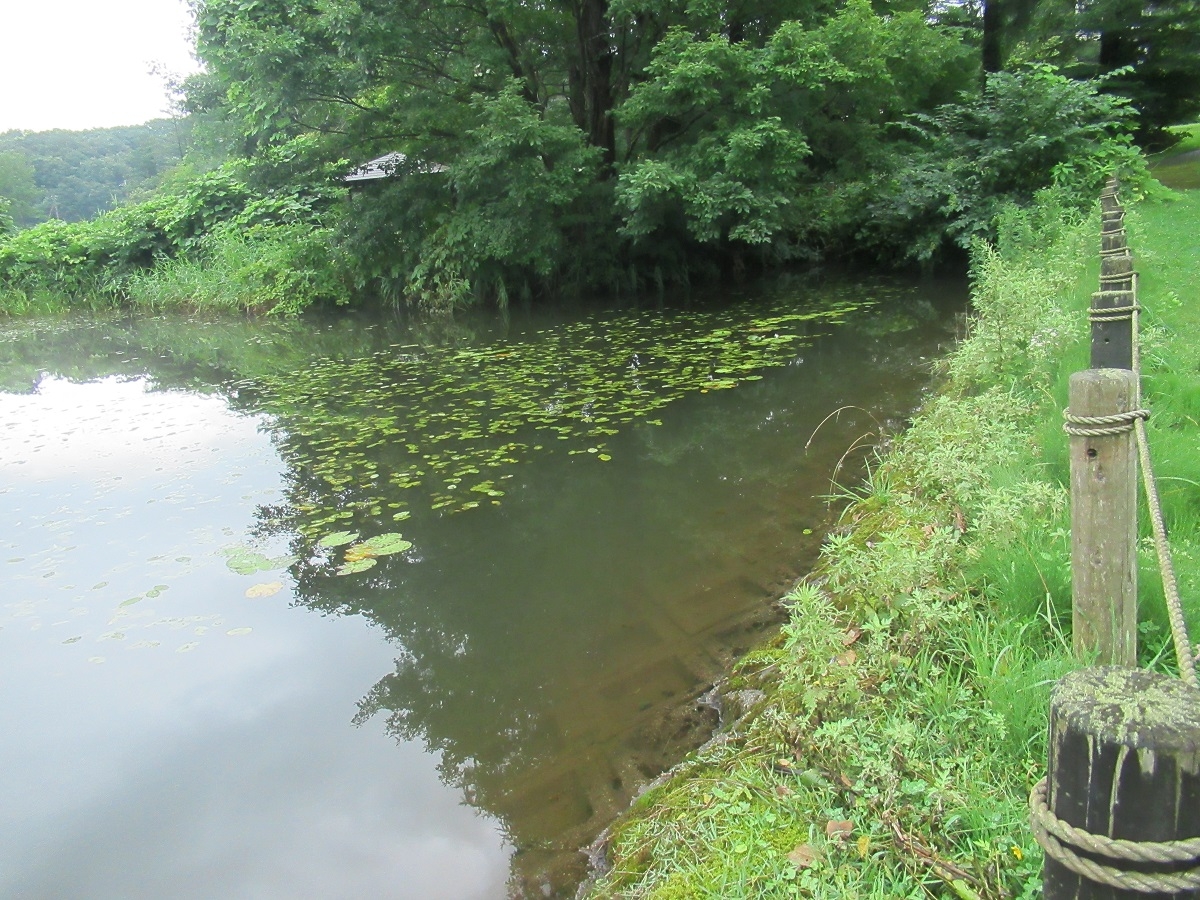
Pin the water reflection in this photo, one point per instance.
(164, 734)
(535, 657)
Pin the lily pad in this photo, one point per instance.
(445, 415)
(266, 589)
(358, 565)
(244, 561)
(385, 545)
(337, 539)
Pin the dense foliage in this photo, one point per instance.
(613, 145)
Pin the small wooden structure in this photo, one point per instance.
(387, 166)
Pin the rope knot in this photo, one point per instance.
(1099, 426)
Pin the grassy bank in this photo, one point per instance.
(902, 715)
(1179, 167)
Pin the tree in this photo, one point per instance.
(77, 174)
(714, 117)
(1151, 50)
(1148, 50)
(762, 144)
(17, 188)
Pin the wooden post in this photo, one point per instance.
(1109, 201)
(1113, 240)
(1124, 763)
(1112, 328)
(1104, 521)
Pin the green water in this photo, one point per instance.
(364, 607)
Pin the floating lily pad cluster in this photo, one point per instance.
(247, 561)
(446, 426)
(362, 555)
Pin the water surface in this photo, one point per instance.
(214, 684)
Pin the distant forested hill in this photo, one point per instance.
(73, 175)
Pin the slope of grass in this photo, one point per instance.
(1179, 167)
(905, 702)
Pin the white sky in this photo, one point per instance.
(86, 63)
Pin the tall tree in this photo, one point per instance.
(1150, 49)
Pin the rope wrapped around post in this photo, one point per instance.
(1063, 843)
(1118, 815)
(1098, 426)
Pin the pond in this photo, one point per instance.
(359, 606)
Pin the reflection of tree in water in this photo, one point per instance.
(519, 626)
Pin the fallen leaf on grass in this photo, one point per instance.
(847, 659)
(851, 636)
(805, 856)
(785, 767)
(838, 829)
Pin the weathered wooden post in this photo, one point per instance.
(1109, 201)
(1100, 420)
(1119, 812)
(1114, 305)
(1112, 318)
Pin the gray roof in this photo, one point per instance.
(385, 167)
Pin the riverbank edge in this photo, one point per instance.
(898, 719)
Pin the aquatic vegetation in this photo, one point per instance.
(448, 426)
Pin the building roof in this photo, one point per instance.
(386, 166)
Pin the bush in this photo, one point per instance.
(1028, 130)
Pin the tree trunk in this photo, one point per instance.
(591, 82)
(993, 15)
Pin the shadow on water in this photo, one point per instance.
(580, 520)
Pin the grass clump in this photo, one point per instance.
(279, 269)
(908, 692)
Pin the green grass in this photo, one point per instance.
(1178, 168)
(908, 693)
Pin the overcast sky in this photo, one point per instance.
(87, 63)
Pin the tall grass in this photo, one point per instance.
(278, 269)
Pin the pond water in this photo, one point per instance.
(360, 607)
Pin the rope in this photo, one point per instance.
(1061, 842)
(1099, 426)
(1112, 313)
(1179, 635)
(1184, 657)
